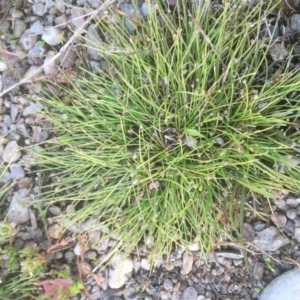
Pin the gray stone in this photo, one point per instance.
(297, 234)
(168, 284)
(92, 40)
(68, 58)
(286, 286)
(60, 5)
(291, 213)
(3, 66)
(94, 3)
(131, 12)
(19, 27)
(18, 208)
(16, 172)
(27, 40)
(52, 36)
(6, 120)
(187, 263)
(278, 52)
(295, 22)
(14, 110)
(38, 9)
(120, 269)
(270, 239)
(146, 9)
(55, 210)
(292, 202)
(61, 21)
(5, 177)
(36, 27)
(32, 109)
(37, 50)
(189, 293)
(258, 270)
(78, 17)
(11, 152)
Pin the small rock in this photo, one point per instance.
(49, 66)
(11, 152)
(286, 286)
(78, 250)
(94, 3)
(14, 110)
(36, 27)
(37, 50)
(279, 220)
(190, 141)
(130, 11)
(94, 236)
(145, 264)
(34, 233)
(60, 5)
(219, 141)
(92, 39)
(297, 234)
(119, 269)
(165, 295)
(3, 66)
(168, 284)
(146, 8)
(55, 231)
(292, 202)
(24, 183)
(52, 36)
(78, 17)
(291, 213)
(258, 270)
(90, 254)
(55, 210)
(295, 22)
(16, 172)
(19, 27)
(194, 247)
(38, 9)
(248, 232)
(68, 58)
(187, 263)
(69, 255)
(18, 208)
(189, 293)
(96, 293)
(32, 109)
(61, 21)
(281, 204)
(5, 177)
(27, 40)
(15, 13)
(278, 52)
(270, 239)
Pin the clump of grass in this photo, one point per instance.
(182, 123)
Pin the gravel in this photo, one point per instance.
(224, 274)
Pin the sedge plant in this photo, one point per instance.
(184, 120)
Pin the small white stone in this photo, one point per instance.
(187, 263)
(11, 152)
(145, 264)
(120, 269)
(194, 247)
(3, 66)
(52, 36)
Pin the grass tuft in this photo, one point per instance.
(181, 124)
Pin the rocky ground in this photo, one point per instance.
(32, 33)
